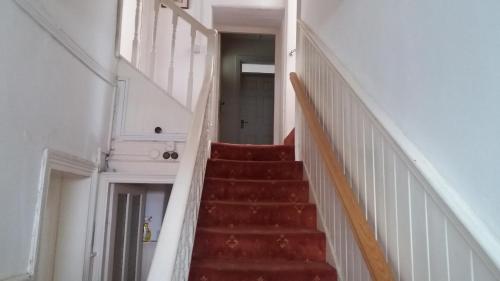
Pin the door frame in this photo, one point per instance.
(53, 160)
(102, 223)
(279, 78)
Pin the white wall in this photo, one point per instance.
(206, 13)
(48, 98)
(289, 31)
(146, 106)
(433, 66)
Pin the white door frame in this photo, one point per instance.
(278, 75)
(53, 160)
(102, 223)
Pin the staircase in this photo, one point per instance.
(255, 220)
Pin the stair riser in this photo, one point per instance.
(244, 153)
(234, 215)
(198, 274)
(253, 170)
(297, 247)
(273, 191)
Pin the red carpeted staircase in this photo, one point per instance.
(255, 221)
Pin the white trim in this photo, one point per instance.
(102, 205)
(472, 228)
(163, 137)
(279, 91)
(246, 29)
(20, 277)
(37, 13)
(67, 163)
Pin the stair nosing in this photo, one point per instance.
(256, 146)
(262, 230)
(261, 265)
(261, 203)
(257, 180)
(260, 162)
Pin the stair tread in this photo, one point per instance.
(264, 230)
(261, 181)
(260, 265)
(252, 162)
(252, 152)
(254, 169)
(258, 203)
(256, 146)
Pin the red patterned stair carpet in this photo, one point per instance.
(255, 221)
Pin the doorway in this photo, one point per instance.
(135, 214)
(64, 228)
(247, 88)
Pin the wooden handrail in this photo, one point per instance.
(370, 249)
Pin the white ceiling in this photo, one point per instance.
(247, 17)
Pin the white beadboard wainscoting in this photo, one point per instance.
(425, 230)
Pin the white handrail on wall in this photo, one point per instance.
(165, 44)
(423, 233)
(173, 253)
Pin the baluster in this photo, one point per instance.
(152, 64)
(135, 42)
(172, 54)
(189, 99)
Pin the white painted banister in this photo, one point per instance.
(173, 253)
(157, 47)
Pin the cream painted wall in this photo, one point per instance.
(48, 98)
(433, 66)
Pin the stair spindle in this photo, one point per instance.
(152, 65)
(135, 42)
(175, 19)
(189, 99)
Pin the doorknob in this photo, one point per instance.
(242, 123)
